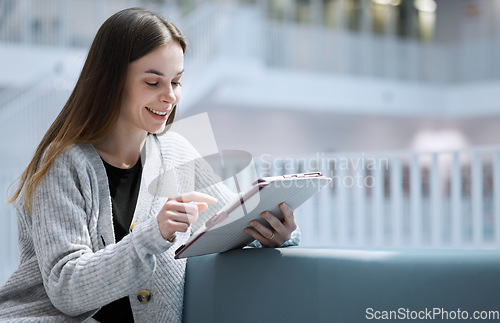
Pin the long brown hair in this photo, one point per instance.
(94, 105)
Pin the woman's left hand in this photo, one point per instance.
(279, 232)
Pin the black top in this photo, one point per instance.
(124, 189)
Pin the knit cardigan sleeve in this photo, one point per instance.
(77, 277)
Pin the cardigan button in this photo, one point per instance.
(143, 296)
(133, 225)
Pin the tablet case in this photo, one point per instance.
(224, 231)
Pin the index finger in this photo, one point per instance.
(289, 219)
(195, 197)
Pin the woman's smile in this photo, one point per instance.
(159, 115)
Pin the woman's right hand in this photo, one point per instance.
(179, 212)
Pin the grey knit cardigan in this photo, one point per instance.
(70, 265)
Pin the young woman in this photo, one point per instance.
(97, 240)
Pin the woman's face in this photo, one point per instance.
(152, 88)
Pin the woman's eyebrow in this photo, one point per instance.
(160, 73)
(154, 72)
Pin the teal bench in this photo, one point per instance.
(342, 285)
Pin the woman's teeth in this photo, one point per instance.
(157, 112)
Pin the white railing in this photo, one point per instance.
(204, 30)
(59, 22)
(349, 53)
(410, 199)
(74, 23)
(284, 44)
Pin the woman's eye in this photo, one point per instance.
(176, 84)
(152, 83)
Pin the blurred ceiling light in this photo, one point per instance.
(387, 2)
(425, 5)
(439, 140)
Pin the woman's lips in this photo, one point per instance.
(159, 113)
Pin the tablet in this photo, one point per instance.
(224, 231)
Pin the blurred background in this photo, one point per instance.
(394, 99)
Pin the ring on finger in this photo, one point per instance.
(272, 236)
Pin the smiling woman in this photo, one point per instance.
(97, 239)
(151, 92)
(93, 107)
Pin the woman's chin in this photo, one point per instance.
(158, 130)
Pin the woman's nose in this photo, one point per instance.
(168, 95)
